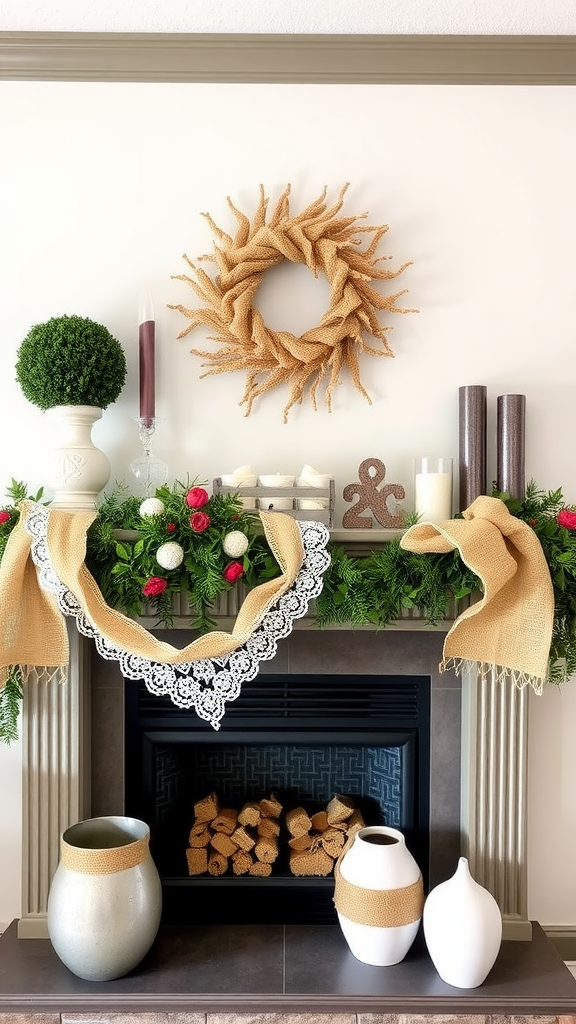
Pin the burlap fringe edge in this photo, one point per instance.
(35, 673)
(499, 673)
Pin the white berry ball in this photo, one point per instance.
(235, 543)
(151, 507)
(170, 555)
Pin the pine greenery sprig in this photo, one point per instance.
(375, 590)
(540, 509)
(10, 703)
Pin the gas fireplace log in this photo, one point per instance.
(339, 809)
(311, 863)
(270, 807)
(217, 863)
(242, 838)
(259, 867)
(266, 849)
(223, 844)
(197, 861)
(332, 841)
(250, 814)
(206, 809)
(297, 822)
(241, 862)
(200, 838)
(225, 821)
(319, 821)
(354, 823)
(300, 843)
(268, 827)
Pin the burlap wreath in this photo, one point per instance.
(323, 242)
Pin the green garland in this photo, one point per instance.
(372, 590)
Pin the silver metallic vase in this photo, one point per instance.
(105, 900)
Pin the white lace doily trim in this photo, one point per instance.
(207, 684)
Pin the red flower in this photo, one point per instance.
(567, 518)
(531, 522)
(170, 527)
(199, 522)
(197, 497)
(233, 572)
(4, 517)
(154, 586)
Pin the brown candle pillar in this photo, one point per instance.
(511, 445)
(472, 443)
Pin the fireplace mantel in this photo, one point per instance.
(57, 763)
(57, 758)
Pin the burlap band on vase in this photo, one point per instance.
(382, 908)
(104, 862)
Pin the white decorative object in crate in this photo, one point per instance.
(315, 503)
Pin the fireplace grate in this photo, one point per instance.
(302, 697)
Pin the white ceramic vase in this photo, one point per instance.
(105, 900)
(78, 470)
(378, 896)
(462, 928)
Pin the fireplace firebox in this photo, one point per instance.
(303, 737)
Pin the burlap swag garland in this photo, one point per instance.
(32, 628)
(509, 630)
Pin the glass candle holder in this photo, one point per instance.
(433, 488)
(148, 470)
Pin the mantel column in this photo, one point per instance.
(55, 776)
(494, 798)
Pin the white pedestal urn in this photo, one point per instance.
(105, 900)
(378, 896)
(78, 470)
(463, 929)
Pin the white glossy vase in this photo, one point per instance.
(78, 470)
(105, 900)
(462, 928)
(378, 896)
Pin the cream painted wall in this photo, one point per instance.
(391, 16)
(475, 186)
(102, 193)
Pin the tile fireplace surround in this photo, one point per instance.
(73, 768)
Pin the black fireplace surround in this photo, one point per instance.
(305, 738)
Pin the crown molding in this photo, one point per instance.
(313, 59)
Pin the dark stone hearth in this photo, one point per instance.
(296, 969)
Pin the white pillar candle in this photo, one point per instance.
(243, 476)
(310, 477)
(276, 501)
(433, 489)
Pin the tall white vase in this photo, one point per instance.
(78, 470)
(378, 896)
(463, 929)
(105, 900)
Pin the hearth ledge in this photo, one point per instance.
(284, 970)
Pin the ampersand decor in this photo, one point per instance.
(371, 473)
(324, 243)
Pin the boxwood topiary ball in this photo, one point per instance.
(70, 360)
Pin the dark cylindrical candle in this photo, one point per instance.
(146, 337)
(511, 445)
(472, 443)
